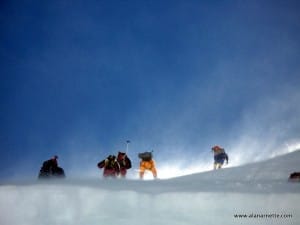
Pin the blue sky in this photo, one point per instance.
(79, 78)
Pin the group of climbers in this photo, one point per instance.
(117, 166)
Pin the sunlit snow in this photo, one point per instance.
(214, 197)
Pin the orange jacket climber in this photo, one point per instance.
(147, 165)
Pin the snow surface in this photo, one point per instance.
(259, 191)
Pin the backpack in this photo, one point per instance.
(145, 156)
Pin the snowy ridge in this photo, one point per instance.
(215, 197)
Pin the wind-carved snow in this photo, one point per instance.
(259, 191)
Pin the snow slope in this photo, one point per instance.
(256, 193)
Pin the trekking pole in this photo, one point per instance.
(127, 144)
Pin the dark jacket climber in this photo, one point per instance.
(124, 162)
(50, 169)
